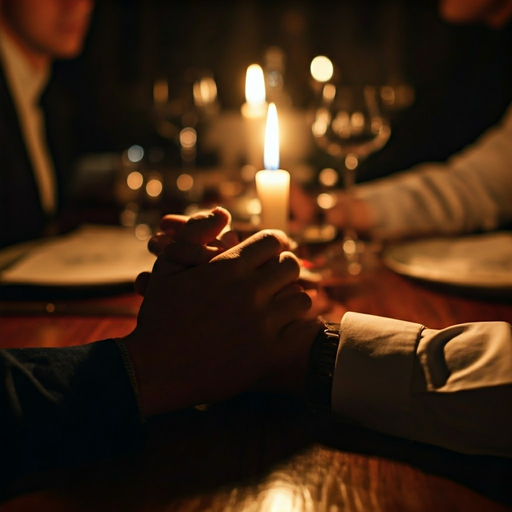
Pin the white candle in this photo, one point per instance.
(255, 106)
(273, 184)
(253, 113)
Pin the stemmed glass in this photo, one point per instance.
(179, 116)
(349, 124)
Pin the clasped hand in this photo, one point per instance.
(218, 317)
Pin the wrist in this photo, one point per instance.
(321, 364)
(152, 387)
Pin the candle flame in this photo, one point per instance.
(254, 85)
(271, 151)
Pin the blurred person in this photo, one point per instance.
(33, 34)
(243, 313)
(470, 192)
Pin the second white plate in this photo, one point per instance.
(476, 261)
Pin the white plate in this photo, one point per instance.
(90, 256)
(475, 261)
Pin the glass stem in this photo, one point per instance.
(350, 236)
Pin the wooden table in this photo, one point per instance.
(266, 453)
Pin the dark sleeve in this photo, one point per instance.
(64, 406)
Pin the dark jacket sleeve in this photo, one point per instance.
(64, 406)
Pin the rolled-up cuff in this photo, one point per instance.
(373, 372)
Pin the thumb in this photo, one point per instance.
(203, 228)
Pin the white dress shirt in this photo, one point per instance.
(471, 191)
(26, 85)
(449, 387)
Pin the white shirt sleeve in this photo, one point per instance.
(449, 387)
(471, 191)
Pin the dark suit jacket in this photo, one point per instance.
(64, 406)
(72, 128)
(21, 215)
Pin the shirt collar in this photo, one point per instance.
(28, 81)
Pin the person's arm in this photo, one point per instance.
(63, 406)
(449, 387)
(470, 192)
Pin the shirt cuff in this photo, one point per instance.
(373, 372)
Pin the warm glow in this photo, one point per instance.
(328, 92)
(254, 206)
(134, 180)
(321, 68)
(254, 85)
(142, 231)
(357, 122)
(205, 91)
(154, 187)
(185, 182)
(341, 125)
(279, 500)
(328, 177)
(326, 201)
(160, 91)
(351, 161)
(188, 137)
(255, 99)
(271, 150)
(321, 122)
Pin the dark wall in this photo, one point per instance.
(462, 76)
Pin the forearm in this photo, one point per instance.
(64, 406)
(450, 388)
(470, 192)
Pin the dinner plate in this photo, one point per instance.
(482, 261)
(92, 256)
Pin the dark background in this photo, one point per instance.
(461, 75)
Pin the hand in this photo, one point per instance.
(190, 240)
(305, 210)
(289, 376)
(214, 330)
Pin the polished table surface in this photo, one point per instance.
(262, 452)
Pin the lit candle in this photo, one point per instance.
(253, 113)
(273, 184)
(255, 105)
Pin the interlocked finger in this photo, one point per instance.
(258, 249)
(189, 254)
(278, 273)
(290, 307)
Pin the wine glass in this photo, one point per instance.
(349, 124)
(180, 112)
